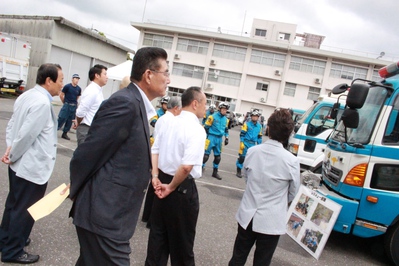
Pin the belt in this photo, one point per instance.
(72, 104)
(83, 124)
(182, 188)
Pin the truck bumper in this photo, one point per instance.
(347, 216)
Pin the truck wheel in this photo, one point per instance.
(391, 243)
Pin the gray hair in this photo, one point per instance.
(173, 102)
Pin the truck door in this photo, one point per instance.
(380, 198)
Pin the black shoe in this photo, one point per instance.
(25, 258)
(215, 174)
(65, 136)
(239, 175)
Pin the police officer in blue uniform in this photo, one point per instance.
(216, 126)
(251, 135)
(161, 111)
(211, 110)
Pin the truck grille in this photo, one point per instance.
(331, 173)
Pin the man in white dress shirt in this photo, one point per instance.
(173, 109)
(177, 160)
(31, 138)
(91, 99)
(273, 179)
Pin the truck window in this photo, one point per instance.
(320, 122)
(391, 135)
(386, 177)
(367, 118)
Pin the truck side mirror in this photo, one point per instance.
(334, 111)
(357, 95)
(350, 117)
(340, 88)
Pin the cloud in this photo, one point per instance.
(369, 26)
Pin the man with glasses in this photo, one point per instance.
(111, 169)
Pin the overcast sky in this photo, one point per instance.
(363, 27)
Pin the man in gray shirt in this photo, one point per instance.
(31, 150)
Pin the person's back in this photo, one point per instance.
(91, 99)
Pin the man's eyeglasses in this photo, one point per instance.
(166, 73)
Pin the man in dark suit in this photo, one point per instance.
(111, 169)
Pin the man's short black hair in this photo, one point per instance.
(146, 58)
(96, 69)
(47, 71)
(189, 95)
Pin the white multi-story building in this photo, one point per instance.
(273, 67)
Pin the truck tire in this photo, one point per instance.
(391, 243)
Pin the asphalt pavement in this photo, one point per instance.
(54, 237)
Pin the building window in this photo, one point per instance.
(192, 46)
(307, 65)
(224, 77)
(229, 52)
(289, 89)
(160, 41)
(189, 71)
(376, 76)
(259, 32)
(262, 86)
(267, 58)
(284, 36)
(172, 91)
(313, 93)
(347, 72)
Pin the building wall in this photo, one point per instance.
(311, 71)
(56, 41)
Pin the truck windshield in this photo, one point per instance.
(367, 118)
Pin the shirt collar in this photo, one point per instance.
(97, 86)
(191, 115)
(150, 110)
(44, 91)
(274, 142)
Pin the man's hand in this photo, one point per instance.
(226, 141)
(65, 189)
(163, 190)
(74, 124)
(6, 157)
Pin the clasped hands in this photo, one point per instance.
(161, 190)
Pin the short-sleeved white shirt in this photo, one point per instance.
(181, 142)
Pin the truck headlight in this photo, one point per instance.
(293, 148)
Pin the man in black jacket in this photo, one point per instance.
(112, 168)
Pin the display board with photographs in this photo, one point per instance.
(310, 219)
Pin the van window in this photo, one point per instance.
(320, 122)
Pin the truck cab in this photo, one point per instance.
(311, 131)
(361, 166)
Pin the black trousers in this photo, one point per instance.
(173, 222)
(17, 223)
(98, 250)
(265, 247)
(149, 200)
